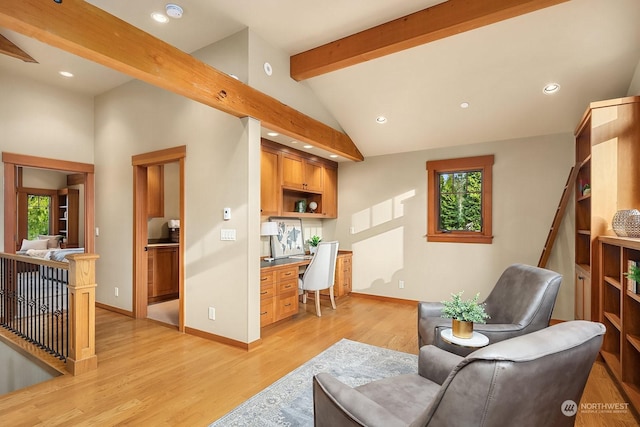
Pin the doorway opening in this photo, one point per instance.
(158, 252)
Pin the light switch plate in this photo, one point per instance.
(227, 234)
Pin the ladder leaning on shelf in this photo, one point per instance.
(557, 219)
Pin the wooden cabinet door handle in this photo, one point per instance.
(263, 293)
(288, 305)
(288, 274)
(263, 313)
(262, 279)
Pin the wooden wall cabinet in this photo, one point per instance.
(155, 191)
(301, 173)
(270, 182)
(163, 275)
(620, 313)
(289, 175)
(607, 158)
(67, 216)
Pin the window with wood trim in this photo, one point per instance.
(459, 200)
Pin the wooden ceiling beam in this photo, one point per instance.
(434, 23)
(9, 48)
(78, 27)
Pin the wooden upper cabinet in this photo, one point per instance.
(330, 194)
(270, 190)
(155, 191)
(300, 173)
(288, 176)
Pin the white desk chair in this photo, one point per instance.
(320, 274)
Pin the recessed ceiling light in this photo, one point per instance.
(334, 156)
(381, 119)
(551, 88)
(174, 11)
(66, 74)
(464, 105)
(273, 134)
(308, 146)
(159, 17)
(293, 141)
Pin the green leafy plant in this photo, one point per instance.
(633, 273)
(314, 240)
(465, 310)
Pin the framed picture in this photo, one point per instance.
(289, 240)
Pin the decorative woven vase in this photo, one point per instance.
(632, 226)
(618, 223)
(462, 329)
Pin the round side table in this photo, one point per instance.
(477, 340)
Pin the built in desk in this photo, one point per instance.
(279, 285)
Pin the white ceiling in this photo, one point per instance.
(590, 47)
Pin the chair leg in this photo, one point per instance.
(333, 301)
(304, 297)
(318, 304)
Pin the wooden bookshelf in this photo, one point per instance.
(620, 313)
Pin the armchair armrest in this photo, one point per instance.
(435, 364)
(335, 403)
(498, 331)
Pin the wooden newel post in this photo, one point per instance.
(82, 313)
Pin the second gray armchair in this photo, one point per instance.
(528, 381)
(521, 302)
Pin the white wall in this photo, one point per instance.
(43, 121)
(384, 199)
(137, 118)
(634, 87)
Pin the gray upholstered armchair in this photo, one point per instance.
(521, 302)
(524, 381)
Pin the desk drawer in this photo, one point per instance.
(287, 274)
(267, 312)
(287, 287)
(287, 306)
(267, 291)
(266, 278)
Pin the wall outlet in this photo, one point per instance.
(401, 284)
(116, 291)
(212, 313)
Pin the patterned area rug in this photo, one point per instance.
(289, 401)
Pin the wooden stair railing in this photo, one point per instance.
(557, 219)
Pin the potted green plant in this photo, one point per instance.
(464, 313)
(313, 243)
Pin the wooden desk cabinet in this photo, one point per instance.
(278, 293)
(342, 282)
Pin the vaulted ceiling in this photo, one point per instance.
(590, 47)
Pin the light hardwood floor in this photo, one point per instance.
(151, 375)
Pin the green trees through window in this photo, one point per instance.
(38, 215)
(460, 201)
(459, 193)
